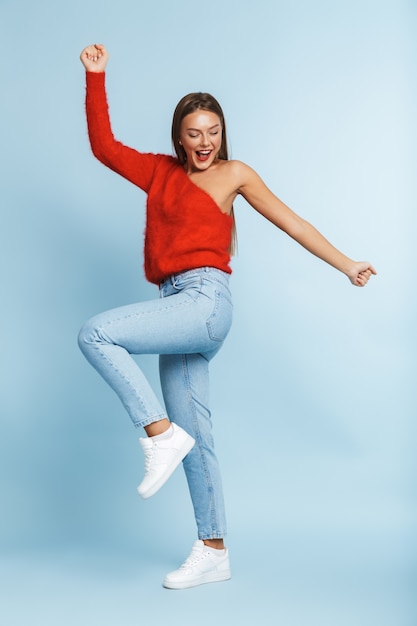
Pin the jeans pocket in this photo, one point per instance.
(220, 320)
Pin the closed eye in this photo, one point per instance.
(194, 132)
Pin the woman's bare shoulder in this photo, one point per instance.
(235, 166)
(242, 174)
(238, 170)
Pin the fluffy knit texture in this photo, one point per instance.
(185, 228)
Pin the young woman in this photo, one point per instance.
(188, 242)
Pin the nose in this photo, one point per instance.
(205, 140)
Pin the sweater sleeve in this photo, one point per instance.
(135, 166)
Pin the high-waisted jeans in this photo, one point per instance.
(186, 326)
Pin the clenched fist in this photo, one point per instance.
(94, 58)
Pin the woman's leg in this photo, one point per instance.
(192, 316)
(185, 386)
(109, 339)
(187, 326)
(189, 321)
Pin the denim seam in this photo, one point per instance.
(197, 433)
(144, 313)
(137, 423)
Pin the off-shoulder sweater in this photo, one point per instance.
(185, 228)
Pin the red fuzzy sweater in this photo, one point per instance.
(185, 228)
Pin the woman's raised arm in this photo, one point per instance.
(135, 166)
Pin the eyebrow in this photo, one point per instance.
(211, 128)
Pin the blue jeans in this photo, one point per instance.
(186, 326)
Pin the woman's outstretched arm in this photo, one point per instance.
(254, 190)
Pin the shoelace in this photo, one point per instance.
(195, 556)
(148, 452)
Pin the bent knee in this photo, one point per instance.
(89, 334)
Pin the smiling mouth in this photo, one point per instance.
(203, 155)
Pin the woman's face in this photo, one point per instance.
(201, 138)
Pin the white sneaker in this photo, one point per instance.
(202, 566)
(162, 457)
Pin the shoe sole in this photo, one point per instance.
(216, 577)
(189, 444)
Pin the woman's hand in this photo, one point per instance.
(360, 273)
(94, 58)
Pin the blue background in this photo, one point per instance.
(313, 395)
